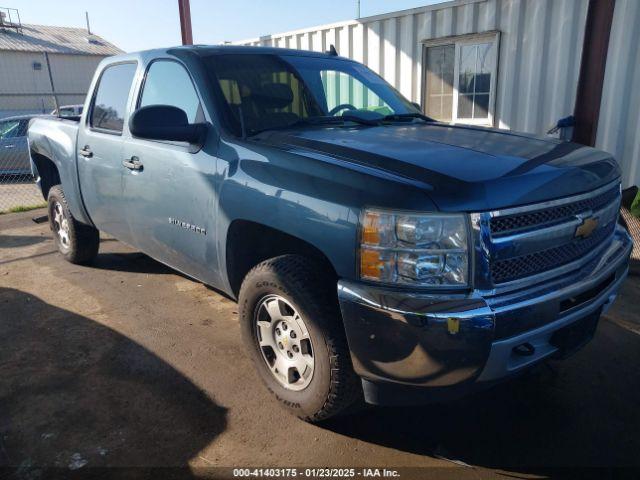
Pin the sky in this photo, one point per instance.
(141, 24)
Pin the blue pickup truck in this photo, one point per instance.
(375, 253)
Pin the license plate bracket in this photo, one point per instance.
(573, 337)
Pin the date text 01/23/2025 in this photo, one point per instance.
(315, 473)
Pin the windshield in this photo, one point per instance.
(10, 129)
(262, 92)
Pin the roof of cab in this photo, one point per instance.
(205, 50)
(209, 50)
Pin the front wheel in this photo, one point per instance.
(291, 326)
(77, 242)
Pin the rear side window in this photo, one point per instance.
(110, 101)
(168, 83)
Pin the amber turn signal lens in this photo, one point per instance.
(370, 264)
(371, 229)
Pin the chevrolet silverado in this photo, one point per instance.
(374, 252)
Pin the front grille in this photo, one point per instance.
(553, 215)
(538, 262)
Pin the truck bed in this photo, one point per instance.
(55, 138)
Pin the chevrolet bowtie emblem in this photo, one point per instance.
(587, 227)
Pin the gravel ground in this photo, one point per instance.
(127, 363)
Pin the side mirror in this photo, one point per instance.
(165, 122)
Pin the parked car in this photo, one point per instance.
(373, 252)
(14, 152)
(68, 111)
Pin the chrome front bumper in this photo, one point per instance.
(454, 342)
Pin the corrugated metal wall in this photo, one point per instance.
(618, 126)
(26, 90)
(73, 73)
(539, 62)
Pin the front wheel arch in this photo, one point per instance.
(249, 243)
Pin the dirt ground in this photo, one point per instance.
(127, 363)
(15, 194)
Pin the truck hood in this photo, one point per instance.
(461, 168)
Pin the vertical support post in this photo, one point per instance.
(53, 88)
(185, 22)
(592, 69)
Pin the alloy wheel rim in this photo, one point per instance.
(284, 342)
(61, 225)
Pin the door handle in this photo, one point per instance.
(9, 146)
(133, 164)
(86, 152)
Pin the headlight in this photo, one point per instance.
(414, 249)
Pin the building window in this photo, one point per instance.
(460, 79)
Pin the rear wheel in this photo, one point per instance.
(77, 242)
(292, 327)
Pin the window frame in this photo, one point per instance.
(458, 41)
(94, 94)
(140, 91)
(24, 128)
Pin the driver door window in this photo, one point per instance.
(168, 83)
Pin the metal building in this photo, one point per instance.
(43, 67)
(524, 56)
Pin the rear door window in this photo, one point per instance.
(110, 101)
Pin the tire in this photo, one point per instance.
(78, 243)
(299, 284)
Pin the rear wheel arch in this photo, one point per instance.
(47, 171)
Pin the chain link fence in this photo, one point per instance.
(632, 222)
(18, 191)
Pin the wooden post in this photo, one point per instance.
(592, 69)
(185, 22)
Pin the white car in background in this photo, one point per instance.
(68, 111)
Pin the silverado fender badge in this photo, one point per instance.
(586, 228)
(187, 226)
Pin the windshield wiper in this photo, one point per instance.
(344, 118)
(321, 121)
(409, 116)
